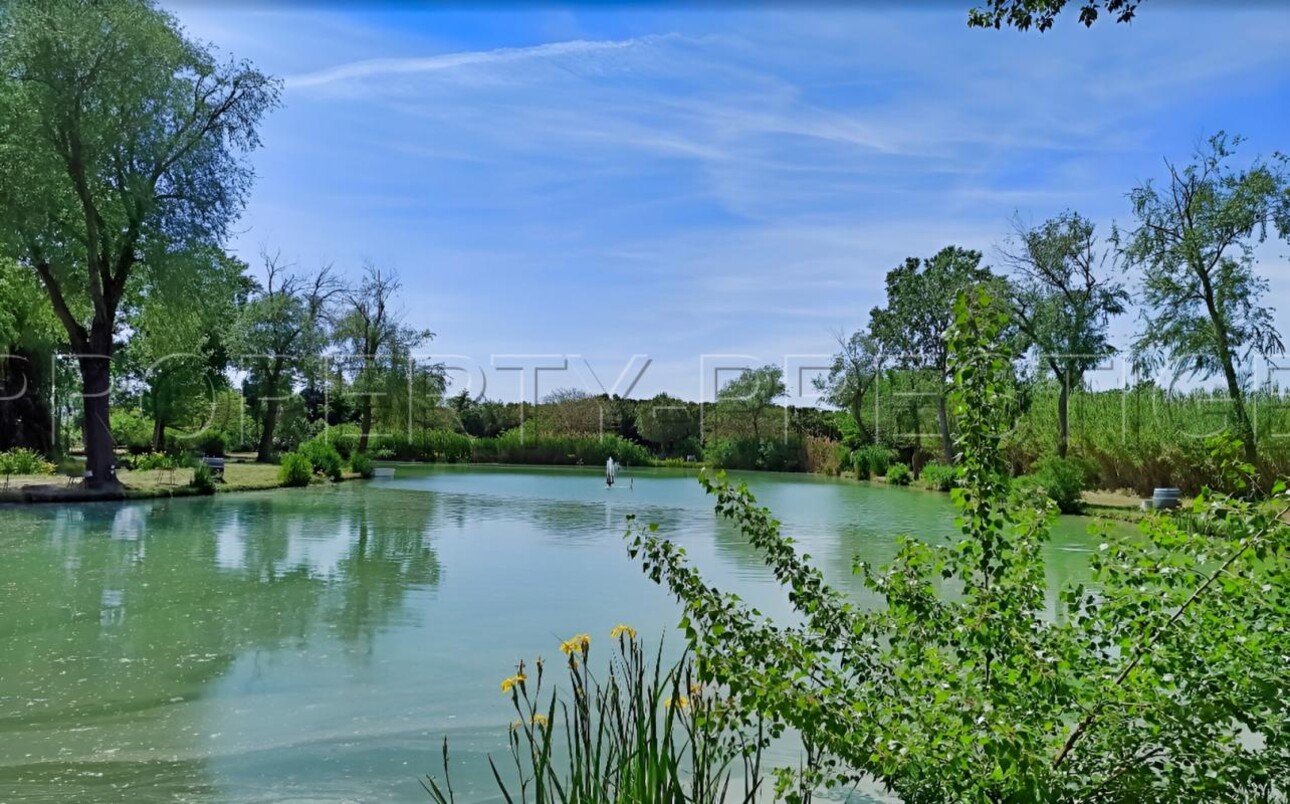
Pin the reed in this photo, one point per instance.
(642, 734)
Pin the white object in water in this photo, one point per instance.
(383, 471)
(611, 471)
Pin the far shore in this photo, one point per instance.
(241, 473)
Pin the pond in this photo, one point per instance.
(316, 645)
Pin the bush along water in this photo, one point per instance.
(870, 461)
(324, 458)
(898, 474)
(1167, 682)
(937, 477)
(361, 464)
(641, 733)
(1062, 479)
(295, 470)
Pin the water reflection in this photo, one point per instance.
(315, 645)
(117, 619)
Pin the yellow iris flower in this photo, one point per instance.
(581, 642)
(620, 630)
(508, 683)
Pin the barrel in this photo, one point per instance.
(1166, 498)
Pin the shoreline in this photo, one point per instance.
(153, 485)
(250, 476)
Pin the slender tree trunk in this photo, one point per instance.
(943, 419)
(365, 424)
(1244, 428)
(857, 410)
(96, 379)
(1063, 416)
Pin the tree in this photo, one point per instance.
(372, 328)
(1195, 244)
(852, 376)
(120, 141)
(176, 347)
(281, 330)
(956, 680)
(1063, 298)
(572, 411)
(29, 338)
(920, 308)
(748, 396)
(1023, 14)
(666, 421)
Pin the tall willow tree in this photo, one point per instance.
(121, 142)
(1195, 241)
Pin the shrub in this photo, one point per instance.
(1063, 480)
(153, 462)
(360, 463)
(511, 447)
(24, 462)
(211, 443)
(323, 457)
(937, 476)
(870, 461)
(295, 470)
(898, 474)
(132, 430)
(203, 479)
(767, 454)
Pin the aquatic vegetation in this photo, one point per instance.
(642, 733)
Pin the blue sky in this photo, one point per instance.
(610, 181)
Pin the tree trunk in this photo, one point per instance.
(943, 418)
(857, 411)
(1063, 416)
(158, 431)
(96, 379)
(1244, 429)
(264, 454)
(366, 424)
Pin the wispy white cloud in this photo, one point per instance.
(372, 68)
(720, 180)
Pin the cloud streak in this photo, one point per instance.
(375, 68)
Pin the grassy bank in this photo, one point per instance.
(140, 485)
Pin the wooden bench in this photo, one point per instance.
(216, 465)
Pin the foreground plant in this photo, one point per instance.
(642, 734)
(1170, 682)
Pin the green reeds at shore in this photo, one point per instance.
(641, 734)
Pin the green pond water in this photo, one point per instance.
(316, 645)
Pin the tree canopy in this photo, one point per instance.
(121, 142)
(1040, 14)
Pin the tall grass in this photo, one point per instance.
(1148, 437)
(641, 734)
